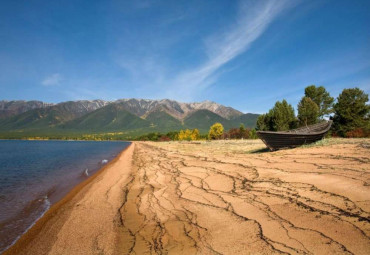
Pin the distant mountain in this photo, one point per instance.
(223, 111)
(113, 117)
(11, 108)
(141, 107)
(248, 119)
(50, 116)
(203, 119)
(161, 119)
(124, 115)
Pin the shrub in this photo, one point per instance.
(357, 133)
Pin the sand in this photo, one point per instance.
(224, 197)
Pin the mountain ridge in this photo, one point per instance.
(14, 107)
(123, 115)
(136, 106)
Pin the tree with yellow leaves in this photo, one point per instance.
(181, 135)
(195, 135)
(216, 131)
(189, 135)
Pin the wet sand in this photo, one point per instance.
(224, 197)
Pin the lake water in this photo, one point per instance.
(36, 174)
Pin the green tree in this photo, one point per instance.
(282, 116)
(261, 123)
(253, 134)
(351, 111)
(264, 121)
(308, 111)
(173, 135)
(322, 98)
(242, 131)
(216, 131)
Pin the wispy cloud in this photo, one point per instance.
(52, 80)
(149, 67)
(251, 22)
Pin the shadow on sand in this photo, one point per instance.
(262, 150)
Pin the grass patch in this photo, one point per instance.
(335, 141)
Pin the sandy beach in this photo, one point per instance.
(222, 197)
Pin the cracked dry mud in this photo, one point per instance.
(214, 198)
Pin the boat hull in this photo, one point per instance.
(294, 138)
(280, 141)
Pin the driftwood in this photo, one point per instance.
(295, 137)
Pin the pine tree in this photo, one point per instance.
(322, 98)
(282, 116)
(351, 111)
(308, 112)
(261, 123)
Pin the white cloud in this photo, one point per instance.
(52, 80)
(251, 22)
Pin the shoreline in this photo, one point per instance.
(215, 198)
(57, 208)
(68, 140)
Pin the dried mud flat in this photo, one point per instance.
(214, 198)
(223, 197)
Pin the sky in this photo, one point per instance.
(243, 54)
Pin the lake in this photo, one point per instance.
(36, 174)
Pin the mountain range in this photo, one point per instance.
(135, 116)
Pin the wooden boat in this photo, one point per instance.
(295, 137)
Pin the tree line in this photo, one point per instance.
(182, 135)
(215, 132)
(349, 112)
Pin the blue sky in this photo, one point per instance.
(243, 54)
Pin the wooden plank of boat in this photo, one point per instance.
(296, 137)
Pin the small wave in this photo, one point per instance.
(87, 172)
(104, 161)
(46, 204)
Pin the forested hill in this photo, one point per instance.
(128, 116)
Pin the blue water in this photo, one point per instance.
(35, 174)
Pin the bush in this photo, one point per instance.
(358, 133)
(164, 139)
